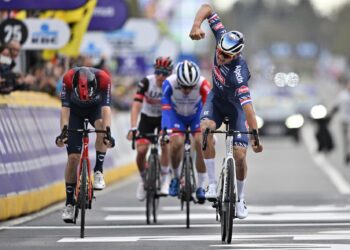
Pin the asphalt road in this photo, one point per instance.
(295, 202)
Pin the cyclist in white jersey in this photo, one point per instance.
(184, 94)
(147, 101)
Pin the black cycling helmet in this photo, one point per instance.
(84, 84)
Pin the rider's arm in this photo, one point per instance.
(207, 12)
(142, 88)
(65, 111)
(65, 97)
(105, 88)
(250, 116)
(166, 104)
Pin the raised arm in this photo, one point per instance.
(203, 13)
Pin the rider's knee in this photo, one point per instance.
(73, 159)
(206, 123)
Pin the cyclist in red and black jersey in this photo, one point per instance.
(147, 101)
(86, 94)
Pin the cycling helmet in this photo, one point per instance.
(231, 42)
(164, 64)
(188, 73)
(84, 85)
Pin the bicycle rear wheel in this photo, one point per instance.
(82, 197)
(157, 190)
(188, 188)
(231, 199)
(150, 188)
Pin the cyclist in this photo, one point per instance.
(86, 93)
(230, 97)
(150, 90)
(184, 94)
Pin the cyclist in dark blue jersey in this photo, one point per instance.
(230, 96)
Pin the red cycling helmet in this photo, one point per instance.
(163, 65)
(84, 84)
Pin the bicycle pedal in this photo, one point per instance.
(212, 199)
(214, 205)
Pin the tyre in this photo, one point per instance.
(231, 199)
(157, 190)
(222, 208)
(82, 197)
(188, 188)
(150, 188)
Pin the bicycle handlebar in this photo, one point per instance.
(229, 132)
(150, 136)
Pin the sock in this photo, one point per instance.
(70, 189)
(143, 174)
(100, 157)
(177, 172)
(164, 170)
(210, 165)
(201, 179)
(240, 189)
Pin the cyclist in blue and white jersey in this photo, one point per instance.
(230, 97)
(184, 94)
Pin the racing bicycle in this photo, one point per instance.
(152, 182)
(84, 189)
(227, 185)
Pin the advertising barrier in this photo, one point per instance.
(31, 165)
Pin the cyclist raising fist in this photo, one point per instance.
(229, 97)
(86, 93)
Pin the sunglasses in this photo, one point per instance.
(162, 72)
(226, 56)
(187, 87)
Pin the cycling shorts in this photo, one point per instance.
(76, 121)
(147, 125)
(179, 122)
(216, 109)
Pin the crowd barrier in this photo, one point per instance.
(32, 166)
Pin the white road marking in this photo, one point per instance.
(252, 209)
(181, 226)
(323, 237)
(320, 160)
(285, 246)
(320, 217)
(213, 237)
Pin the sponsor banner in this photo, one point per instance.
(109, 15)
(96, 45)
(40, 5)
(129, 65)
(46, 34)
(132, 36)
(13, 29)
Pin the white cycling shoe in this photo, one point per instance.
(210, 194)
(99, 181)
(68, 214)
(164, 184)
(140, 191)
(241, 209)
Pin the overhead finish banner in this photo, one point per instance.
(109, 15)
(40, 5)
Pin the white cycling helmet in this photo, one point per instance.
(188, 73)
(231, 42)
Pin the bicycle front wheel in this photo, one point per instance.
(150, 188)
(222, 210)
(231, 199)
(82, 197)
(188, 188)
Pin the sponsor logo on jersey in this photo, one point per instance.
(238, 74)
(213, 18)
(242, 90)
(218, 26)
(218, 75)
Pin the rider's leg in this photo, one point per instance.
(176, 149)
(241, 169)
(101, 148)
(209, 152)
(71, 177)
(164, 160)
(200, 165)
(142, 149)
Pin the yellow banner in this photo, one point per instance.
(78, 20)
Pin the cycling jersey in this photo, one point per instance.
(174, 102)
(230, 81)
(152, 93)
(102, 97)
